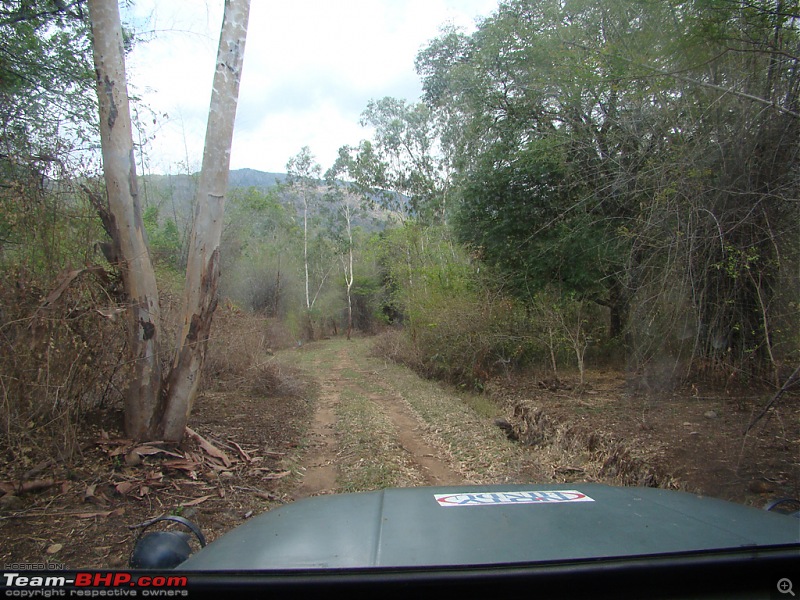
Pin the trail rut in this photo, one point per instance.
(338, 375)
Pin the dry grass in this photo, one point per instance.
(237, 342)
(63, 357)
(273, 378)
(370, 456)
(465, 437)
(393, 344)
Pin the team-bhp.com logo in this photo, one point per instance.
(93, 585)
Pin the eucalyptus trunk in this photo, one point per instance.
(158, 408)
(124, 221)
(202, 271)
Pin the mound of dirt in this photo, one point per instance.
(691, 439)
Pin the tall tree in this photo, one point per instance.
(346, 202)
(303, 180)
(157, 407)
(123, 221)
(403, 167)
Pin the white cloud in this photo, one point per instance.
(310, 68)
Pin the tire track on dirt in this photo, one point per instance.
(434, 470)
(422, 455)
(320, 469)
(405, 428)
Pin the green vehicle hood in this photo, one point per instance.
(491, 525)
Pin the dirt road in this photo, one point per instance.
(387, 413)
(378, 425)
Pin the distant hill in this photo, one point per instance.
(253, 178)
(174, 194)
(183, 183)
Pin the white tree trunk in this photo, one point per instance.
(349, 277)
(154, 408)
(202, 271)
(125, 220)
(305, 246)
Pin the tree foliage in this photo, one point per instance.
(47, 112)
(259, 263)
(46, 80)
(642, 154)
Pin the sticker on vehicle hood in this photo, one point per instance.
(494, 498)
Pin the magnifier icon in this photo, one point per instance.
(785, 586)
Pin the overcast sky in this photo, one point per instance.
(310, 68)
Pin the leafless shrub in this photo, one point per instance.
(238, 341)
(239, 351)
(275, 379)
(278, 335)
(393, 345)
(61, 358)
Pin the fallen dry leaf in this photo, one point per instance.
(89, 493)
(241, 451)
(265, 496)
(196, 501)
(149, 450)
(209, 448)
(154, 476)
(180, 464)
(280, 475)
(93, 496)
(126, 487)
(54, 548)
(13, 487)
(106, 441)
(216, 467)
